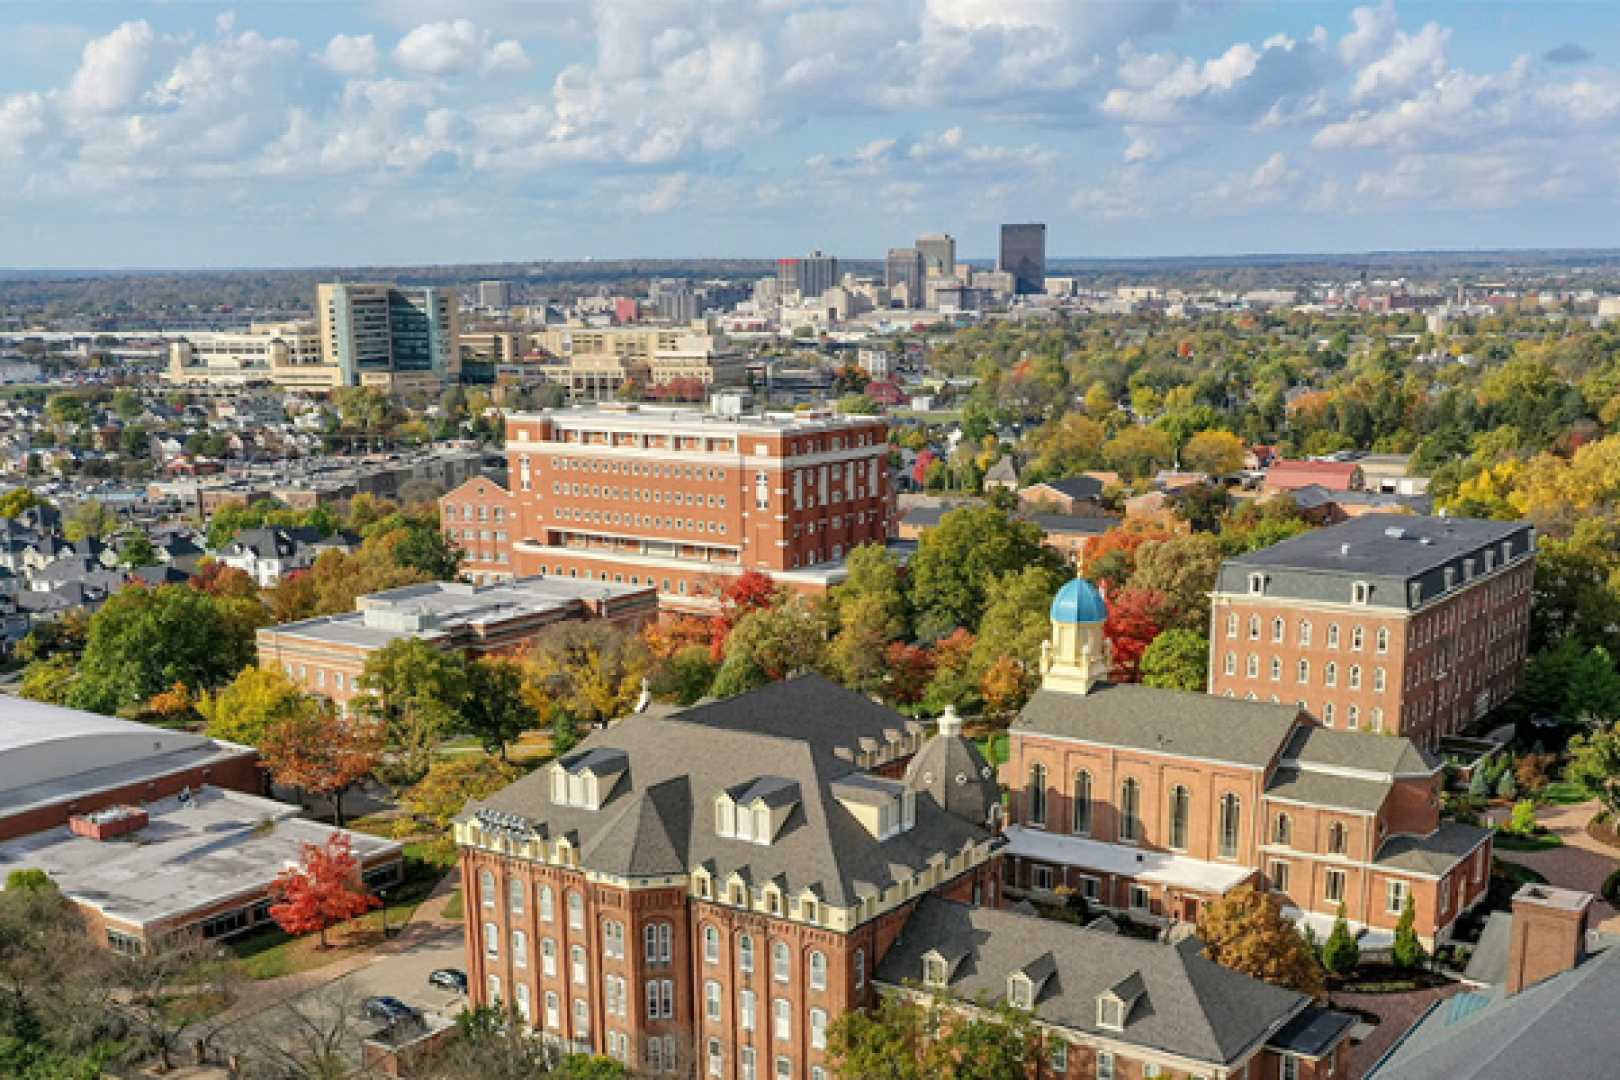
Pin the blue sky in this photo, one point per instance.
(414, 131)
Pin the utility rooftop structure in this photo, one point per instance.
(1389, 622)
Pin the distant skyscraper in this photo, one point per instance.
(906, 266)
(495, 294)
(389, 336)
(1023, 255)
(809, 277)
(938, 252)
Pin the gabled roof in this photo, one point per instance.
(1186, 1004)
(1364, 751)
(1177, 722)
(1074, 487)
(1433, 854)
(806, 706)
(1335, 475)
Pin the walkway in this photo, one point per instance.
(1581, 863)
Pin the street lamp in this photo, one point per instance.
(382, 895)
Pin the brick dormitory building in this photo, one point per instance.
(677, 498)
(1390, 623)
(704, 893)
(1154, 802)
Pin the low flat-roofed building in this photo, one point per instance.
(56, 762)
(202, 860)
(326, 655)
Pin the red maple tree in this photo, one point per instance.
(910, 668)
(749, 592)
(324, 891)
(315, 749)
(1135, 617)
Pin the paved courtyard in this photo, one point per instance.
(1396, 1014)
(1581, 863)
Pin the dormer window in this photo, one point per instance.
(1359, 592)
(1110, 1013)
(1468, 569)
(586, 779)
(935, 972)
(1020, 991)
(1451, 577)
(1257, 584)
(757, 810)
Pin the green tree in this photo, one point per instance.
(1017, 616)
(1138, 452)
(774, 642)
(1507, 787)
(1594, 764)
(1408, 950)
(1182, 569)
(1593, 690)
(1216, 452)
(255, 701)
(50, 680)
(495, 709)
(1177, 660)
(686, 676)
(957, 559)
(138, 550)
(417, 692)
(89, 519)
(143, 641)
(1341, 954)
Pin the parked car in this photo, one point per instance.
(449, 979)
(386, 1008)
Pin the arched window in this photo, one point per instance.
(1352, 717)
(1037, 794)
(1254, 628)
(1383, 639)
(1283, 831)
(515, 892)
(1231, 624)
(1378, 679)
(1304, 671)
(548, 904)
(1130, 810)
(1082, 803)
(1335, 839)
(1277, 629)
(1355, 676)
(1333, 635)
(1305, 632)
(1378, 719)
(818, 970)
(1252, 668)
(1180, 806)
(711, 945)
(1358, 638)
(1327, 714)
(1229, 826)
(780, 961)
(1231, 663)
(1330, 674)
(745, 953)
(1276, 668)
(576, 911)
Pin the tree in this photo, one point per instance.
(491, 1044)
(254, 702)
(1408, 950)
(1132, 624)
(686, 676)
(593, 671)
(1176, 660)
(902, 1039)
(322, 753)
(1017, 616)
(323, 890)
(1182, 569)
(1005, 686)
(138, 550)
(953, 682)
(909, 668)
(50, 680)
(143, 641)
(1593, 694)
(89, 519)
(1507, 787)
(749, 591)
(1479, 783)
(1215, 452)
(1341, 954)
(494, 708)
(158, 988)
(19, 500)
(417, 692)
(773, 643)
(1137, 452)
(451, 782)
(1247, 931)
(1594, 764)
(957, 559)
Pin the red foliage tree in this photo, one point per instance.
(910, 668)
(919, 468)
(217, 579)
(324, 891)
(750, 592)
(321, 752)
(1135, 617)
(1100, 553)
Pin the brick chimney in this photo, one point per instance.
(1548, 935)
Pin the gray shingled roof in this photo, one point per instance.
(1168, 721)
(1188, 1004)
(1561, 1027)
(1076, 487)
(805, 706)
(1327, 790)
(1366, 751)
(1388, 551)
(957, 776)
(1432, 854)
(659, 818)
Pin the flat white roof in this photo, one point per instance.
(1162, 868)
(661, 418)
(224, 845)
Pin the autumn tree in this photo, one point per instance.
(749, 591)
(953, 682)
(18, 500)
(1215, 452)
(1138, 452)
(1247, 931)
(315, 749)
(247, 708)
(89, 519)
(451, 782)
(417, 692)
(1133, 622)
(909, 668)
(1182, 569)
(905, 1039)
(323, 890)
(1176, 660)
(494, 708)
(772, 643)
(593, 671)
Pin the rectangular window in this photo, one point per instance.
(1279, 876)
(1395, 897)
(492, 940)
(1060, 1057)
(1139, 898)
(745, 1061)
(1105, 1065)
(717, 1061)
(745, 1010)
(783, 1020)
(1333, 887)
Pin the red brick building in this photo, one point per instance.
(1152, 802)
(704, 894)
(678, 499)
(1392, 623)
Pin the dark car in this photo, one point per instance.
(449, 979)
(386, 1008)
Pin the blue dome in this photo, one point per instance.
(1079, 602)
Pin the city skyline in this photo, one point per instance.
(408, 132)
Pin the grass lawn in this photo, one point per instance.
(1517, 873)
(452, 906)
(1506, 841)
(1564, 793)
(995, 749)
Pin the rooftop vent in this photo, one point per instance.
(1395, 532)
(1344, 549)
(108, 823)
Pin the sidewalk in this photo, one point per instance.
(1581, 863)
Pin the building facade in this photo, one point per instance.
(285, 354)
(939, 254)
(394, 338)
(906, 268)
(1023, 255)
(1389, 623)
(1152, 802)
(595, 362)
(809, 277)
(680, 499)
